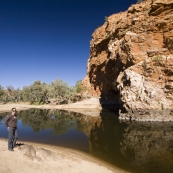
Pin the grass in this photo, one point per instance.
(157, 59)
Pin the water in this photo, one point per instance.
(142, 147)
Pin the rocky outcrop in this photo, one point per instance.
(131, 61)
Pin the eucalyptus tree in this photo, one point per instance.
(10, 94)
(26, 94)
(79, 87)
(58, 90)
(17, 95)
(38, 93)
(1, 93)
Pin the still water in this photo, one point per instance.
(142, 147)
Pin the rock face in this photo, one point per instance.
(131, 61)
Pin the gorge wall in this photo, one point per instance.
(131, 61)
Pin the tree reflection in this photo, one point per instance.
(57, 120)
(2, 117)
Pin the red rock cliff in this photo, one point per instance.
(131, 61)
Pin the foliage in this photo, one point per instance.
(79, 87)
(157, 59)
(140, 1)
(41, 93)
(58, 89)
(26, 94)
(10, 94)
(1, 92)
(106, 18)
(38, 93)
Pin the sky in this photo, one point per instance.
(49, 39)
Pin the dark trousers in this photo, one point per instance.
(12, 137)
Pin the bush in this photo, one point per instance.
(139, 1)
(41, 93)
(157, 59)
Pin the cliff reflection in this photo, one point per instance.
(143, 146)
(105, 140)
(148, 146)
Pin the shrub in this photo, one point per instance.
(157, 59)
(139, 1)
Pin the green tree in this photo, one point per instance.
(38, 93)
(1, 93)
(58, 89)
(26, 94)
(79, 87)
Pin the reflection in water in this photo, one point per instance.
(148, 146)
(55, 127)
(105, 140)
(140, 146)
(2, 115)
(145, 146)
(58, 121)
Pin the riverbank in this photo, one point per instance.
(89, 107)
(39, 158)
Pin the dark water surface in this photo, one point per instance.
(142, 147)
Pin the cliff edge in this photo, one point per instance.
(131, 61)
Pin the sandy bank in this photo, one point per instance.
(40, 158)
(89, 107)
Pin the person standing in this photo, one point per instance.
(11, 123)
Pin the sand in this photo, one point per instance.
(39, 158)
(89, 107)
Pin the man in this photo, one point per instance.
(11, 123)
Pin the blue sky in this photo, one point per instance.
(49, 39)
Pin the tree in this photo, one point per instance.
(1, 93)
(79, 87)
(58, 89)
(38, 93)
(26, 94)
